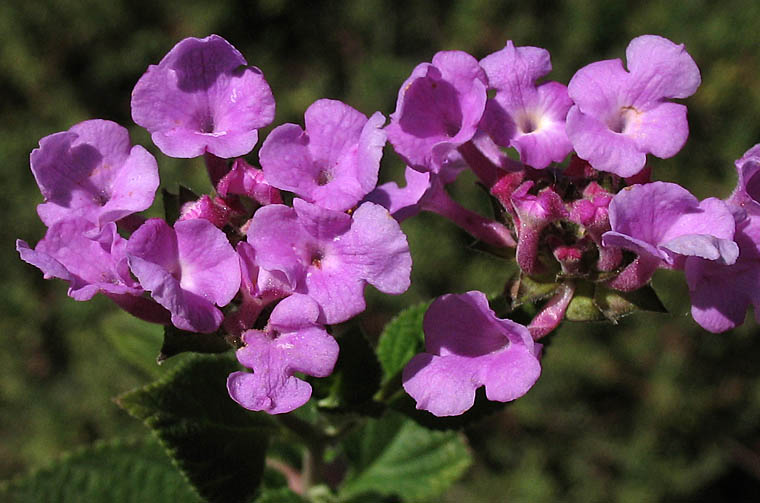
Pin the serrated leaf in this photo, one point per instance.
(134, 470)
(614, 304)
(395, 456)
(583, 307)
(178, 341)
(136, 341)
(219, 446)
(401, 339)
(356, 377)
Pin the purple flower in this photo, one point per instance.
(439, 107)
(187, 269)
(333, 163)
(92, 171)
(201, 98)
(619, 116)
(663, 221)
(747, 191)
(92, 260)
(330, 255)
(292, 342)
(720, 294)
(467, 347)
(522, 115)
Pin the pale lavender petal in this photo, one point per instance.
(339, 293)
(278, 239)
(509, 374)
(604, 149)
(276, 395)
(595, 88)
(612, 239)
(333, 128)
(287, 162)
(402, 203)
(704, 246)
(661, 131)
(321, 223)
(377, 250)
(660, 69)
(294, 311)
(442, 385)
(513, 71)
(210, 266)
(721, 294)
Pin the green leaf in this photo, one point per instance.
(356, 377)
(218, 445)
(614, 304)
(395, 456)
(136, 470)
(136, 341)
(178, 341)
(402, 338)
(583, 307)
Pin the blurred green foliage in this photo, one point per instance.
(654, 409)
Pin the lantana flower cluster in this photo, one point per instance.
(578, 209)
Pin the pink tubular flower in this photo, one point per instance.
(187, 270)
(467, 347)
(439, 107)
(245, 180)
(292, 342)
(522, 115)
(330, 255)
(333, 162)
(92, 171)
(201, 98)
(619, 116)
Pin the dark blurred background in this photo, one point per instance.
(654, 409)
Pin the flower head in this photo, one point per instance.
(333, 163)
(619, 116)
(292, 342)
(466, 347)
(439, 107)
(187, 269)
(522, 115)
(202, 97)
(331, 255)
(92, 171)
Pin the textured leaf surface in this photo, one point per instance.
(136, 341)
(218, 445)
(394, 455)
(401, 339)
(136, 470)
(615, 305)
(178, 341)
